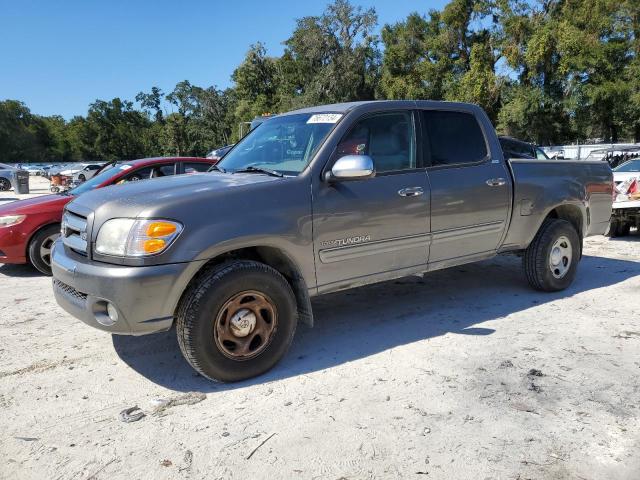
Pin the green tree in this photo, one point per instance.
(114, 131)
(333, 57)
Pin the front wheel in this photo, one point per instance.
(40, 248)
(551, 260)
(237, 321)
(5, 185)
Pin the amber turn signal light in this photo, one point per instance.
(153, 245)
(160, 229)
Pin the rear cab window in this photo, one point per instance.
(452, 138)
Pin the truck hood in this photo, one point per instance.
(146, 198)
(44, 204)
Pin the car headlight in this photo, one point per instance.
(8, 220)
(128, 237)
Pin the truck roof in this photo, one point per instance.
(349, 106)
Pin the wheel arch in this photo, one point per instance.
(274, 257)
(572, 214)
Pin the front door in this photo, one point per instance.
(377, 226)
(470, 191)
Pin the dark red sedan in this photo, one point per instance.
(29, 227)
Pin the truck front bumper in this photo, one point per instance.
(144, 298)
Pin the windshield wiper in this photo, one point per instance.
(268, 171)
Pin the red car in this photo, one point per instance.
(29, 227)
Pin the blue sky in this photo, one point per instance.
(59, 56)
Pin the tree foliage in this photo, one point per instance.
(549, 71)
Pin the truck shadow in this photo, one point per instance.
(357, 323)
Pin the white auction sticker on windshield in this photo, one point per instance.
(325, 118)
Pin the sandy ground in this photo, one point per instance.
(465, 374)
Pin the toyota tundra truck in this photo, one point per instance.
(315, 201)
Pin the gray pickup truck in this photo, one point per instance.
(310, 202)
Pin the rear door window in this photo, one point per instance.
(452, 138)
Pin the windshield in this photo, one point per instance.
(284, 144)
(95, 181)
(631, 166)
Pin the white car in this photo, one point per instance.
(626, 204)
(82, 172)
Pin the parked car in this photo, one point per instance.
(12, 177)
(218, 153)
(7, 173)
(514, 148)
(311, 202)
(87, 172)
(32, 169)
(29, 227)
(626, 205)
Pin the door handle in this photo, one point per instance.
(411, 192)
(496, 182)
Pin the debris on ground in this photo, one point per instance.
(261, 444)
(534, 372)
(189, 398)
(535, 388)
(128, 416)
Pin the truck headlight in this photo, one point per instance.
(128, 237)
(8, 220)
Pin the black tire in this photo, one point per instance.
(40, 248)
(81, 177)
(623, 229)
(201, 307)
(612, 230)
(5, 185)
(538, 256)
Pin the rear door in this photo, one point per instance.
(366, 229)
(470, 191)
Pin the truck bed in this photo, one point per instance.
(539, 186)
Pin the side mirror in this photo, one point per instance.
(352, 167)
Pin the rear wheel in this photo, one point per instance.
(618, 228)
(5, 185)
(624, 229)
(40, 248)
(551, 261)
(237, 321)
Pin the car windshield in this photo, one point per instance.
(283, 144)
(631, 166)
(106, 174)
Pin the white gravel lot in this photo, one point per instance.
(465, 374)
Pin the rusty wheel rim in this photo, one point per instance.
(245, 325)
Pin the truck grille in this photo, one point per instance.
(68, 289)
(69, 292)
(74, 232)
